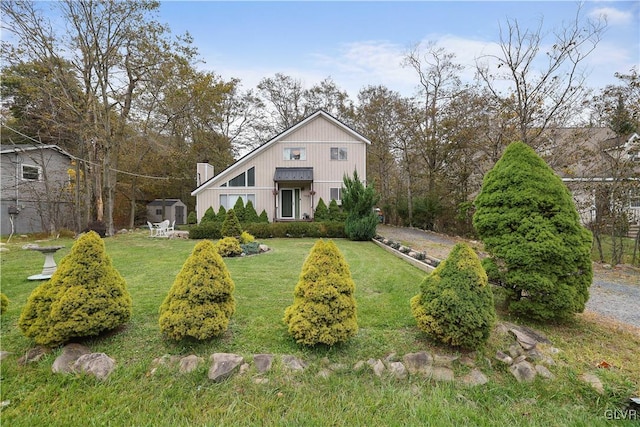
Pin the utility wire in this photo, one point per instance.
(164, 178)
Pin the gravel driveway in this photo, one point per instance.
(615, 293)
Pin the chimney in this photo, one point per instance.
(205, 173)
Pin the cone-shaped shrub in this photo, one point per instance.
(200, 301)
(455, 303)
(231, 226)
(264, 218)
(209, 216)
(250, 214)
(238, 208)
(222, 214)
(84, 297)
(324, 308)
(322, 212)
(539, 251)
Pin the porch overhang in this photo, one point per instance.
(293, 175)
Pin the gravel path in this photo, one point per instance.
(615, 293)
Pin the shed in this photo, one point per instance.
(171, 209)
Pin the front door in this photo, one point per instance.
(287, 203)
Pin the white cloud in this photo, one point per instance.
(613, 16)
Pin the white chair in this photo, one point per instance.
(172, 227)
(152, 229)
(161, 231)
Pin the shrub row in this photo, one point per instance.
(212, 230)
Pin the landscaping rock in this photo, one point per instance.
(420, 362)
(593, 381)
(4, 354)
(515, 350)
(523, 371)
(504, 358)
(398, 370)
(444, 360)
(263, 362)
(442, 373)
(474, 378)
(324, 373)
(190, 363)
(527, 337)
(377, 366)
(544, 372)
(97, 364)
(70, 353)
(34, 354)
(224, 364)
(293, 363)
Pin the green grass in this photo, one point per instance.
(264, 288)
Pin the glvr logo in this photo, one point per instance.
(621, 414)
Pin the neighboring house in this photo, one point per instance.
(593, 163)
(174, 210)
(289, 174)
(37, 190)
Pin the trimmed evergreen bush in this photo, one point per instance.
(4, 303)
(335, 213)
(324, 307)
(231, 226)
(238, 208)
(85, 297)
(246, 238)
(222, 214)
(192, 218)
(539, 252)
(250, 214)
(228, 247)
(264, 218)
(209, 216)
(208, 230)
(455, 303)
(200, 302)
(322, 212)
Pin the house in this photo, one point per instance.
(37, 191)
(171, 209)
(287, 175)
(594, 163)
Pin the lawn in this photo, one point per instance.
(33, 395)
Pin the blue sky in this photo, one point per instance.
(360, 43)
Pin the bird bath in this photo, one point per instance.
(49, 263)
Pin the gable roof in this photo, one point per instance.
(281, 136)
(167, 202)
(23, 148)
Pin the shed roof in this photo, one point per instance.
(167, 202)
(293, 174)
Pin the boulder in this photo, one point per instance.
(377, 366)
(224, 364)
(190, 363)
(398, 370)
(442, 373)
(474, 377)
(593, 381)
(544, 372)
(504, 358)
(420, 362)
(70, 353)
(293, 363)
(263, 362)
(97, 364)
(34, 354)
(523, 371)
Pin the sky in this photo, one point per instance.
(361, 43)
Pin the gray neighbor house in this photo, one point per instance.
(37, 189)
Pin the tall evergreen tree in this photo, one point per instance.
(539, 252)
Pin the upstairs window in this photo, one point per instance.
(338, 153)
(299, 153)
(238, 181)
(251, 177)
(31, 173)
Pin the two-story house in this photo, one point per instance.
(37, 190)
(287, 175)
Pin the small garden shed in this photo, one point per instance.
(171, 209)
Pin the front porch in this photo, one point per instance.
(293, 194)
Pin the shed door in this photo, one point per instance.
(180, 215)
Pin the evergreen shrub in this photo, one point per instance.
(358, 202)
(207, 230)
(455, 303)
(264, 218)
(250, 214)
(209, 216)
(192, 218)
(231, 226)
(228, 247)
(324, 307)
(4, 303)
(200, 302)
(85, 297)
(322, 212)
(539, 251)
(246, 238)
(239, 209)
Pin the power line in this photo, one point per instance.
(87, 161)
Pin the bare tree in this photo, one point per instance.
(540, 82)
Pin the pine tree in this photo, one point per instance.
(85, 297)
(200, 302)
(324, 307)
(539, 252)
(455, 303)
(358, 202)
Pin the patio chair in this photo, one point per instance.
(152, 229)
(172, 227)
(161, 231)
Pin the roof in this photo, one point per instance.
(22, 148)
(293, 174)
(167, 202)
(280, 136)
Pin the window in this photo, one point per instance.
(338, 153)
(229, 200)
(31, 173)
(295, 153)
(634, 198)
(335, 194)
(158, 211)
(238, 181)
(251, 177)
